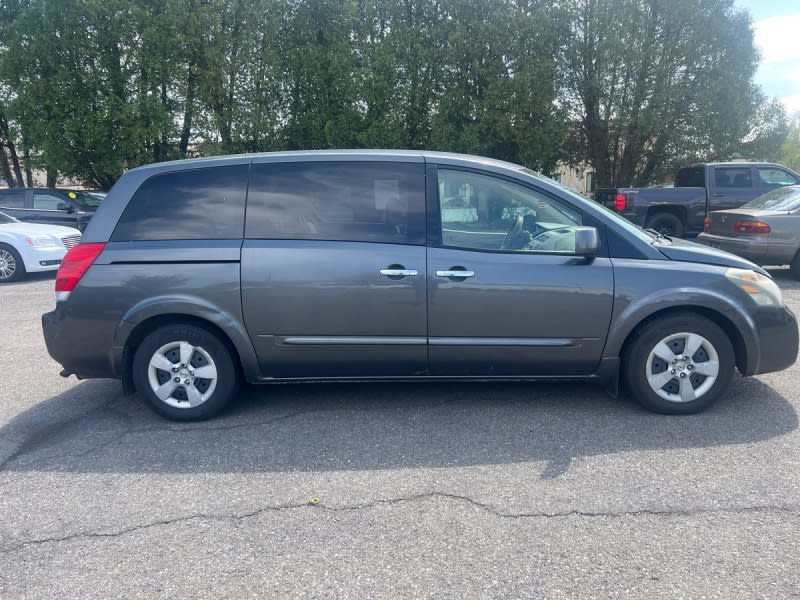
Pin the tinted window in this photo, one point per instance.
(480, 212)
(691, 177)
(201, 204)
(346, 201)
(12, 199)
(733, 177)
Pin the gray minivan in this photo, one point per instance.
(349, 265)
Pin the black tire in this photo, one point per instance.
(11, 266)
(666, 223)
(795, 266)
(164, 345)
(689, 386)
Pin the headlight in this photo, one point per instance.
(760, 288)
(41, 241)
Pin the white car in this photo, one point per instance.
(32, 247)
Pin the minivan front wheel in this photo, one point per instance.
(185, 372)
(680, 364)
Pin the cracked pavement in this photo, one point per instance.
(445, 490)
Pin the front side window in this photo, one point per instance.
(344, 201)
(772, 177)
(199, 204)
(481, 212)
(44, 201)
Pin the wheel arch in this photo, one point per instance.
(743, 358)
(674, 209)
(143, 319)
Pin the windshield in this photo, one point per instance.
(786, 198)
(618, 220)
(85, 199)
(4, 218)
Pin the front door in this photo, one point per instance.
(506, 294)
(333, 268)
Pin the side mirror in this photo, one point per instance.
(66, 207)
(587, 241)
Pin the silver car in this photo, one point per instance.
(765, 231)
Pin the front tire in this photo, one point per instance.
(185, 372)
(680, 364)
(11, 266)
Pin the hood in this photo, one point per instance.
(38, 229)
(686, 251)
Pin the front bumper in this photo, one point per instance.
(777, 333)
(42, 259)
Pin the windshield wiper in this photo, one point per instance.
(658, 235)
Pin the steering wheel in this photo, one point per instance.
(515, 230)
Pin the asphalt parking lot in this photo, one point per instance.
(446, 490)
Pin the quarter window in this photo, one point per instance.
(345, 201)
(199, 204)
(481, 212)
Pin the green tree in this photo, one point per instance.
(648, 80)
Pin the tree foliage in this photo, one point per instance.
(89, 88)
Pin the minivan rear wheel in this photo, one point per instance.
(679, 364)
(185, 372)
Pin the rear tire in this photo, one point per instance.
(666, 223)
(11, 266)
(680, 364)
(795, 266)
(185, 372)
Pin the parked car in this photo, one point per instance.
(698, 190)
(29, 248)
(70, 208)
(347, 265)
(765, 230)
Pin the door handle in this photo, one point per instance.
(718, 195)
(456, 273)
(398, 272)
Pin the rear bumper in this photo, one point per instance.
(76, 345)
(759, 251)
(778, 339)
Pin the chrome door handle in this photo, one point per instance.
(398, 272)
(459, 274)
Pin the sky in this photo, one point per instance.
(776, 24)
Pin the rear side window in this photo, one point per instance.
(200, 204)
(345, 201)
(12, 199)
(691, 177)
(733, 177)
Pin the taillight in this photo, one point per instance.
(620, 202)
(75, 264)
(751, 227)
(707, 223)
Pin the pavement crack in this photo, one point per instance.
(791, 510)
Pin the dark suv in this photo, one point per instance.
(346, 265)
(70, 208)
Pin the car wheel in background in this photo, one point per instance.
(185, 372)
(679, 364)
(795, 266)
(11, 266)
(666, 223)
